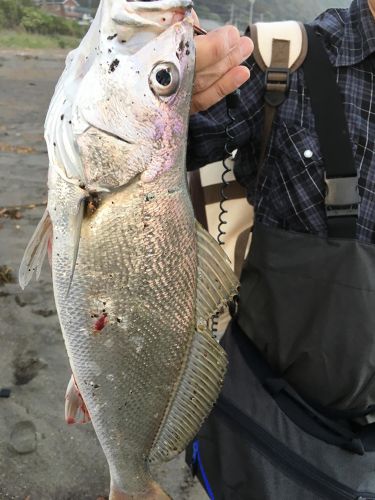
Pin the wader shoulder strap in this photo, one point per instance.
(279, 49)
(342, 199)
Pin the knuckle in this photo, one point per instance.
(219, 50)
(199, 103)
(220, 89)
(198, 85)
(233, 58)
(223, 40)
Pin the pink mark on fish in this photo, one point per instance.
(167, 133)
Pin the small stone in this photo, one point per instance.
(46, 313)
(23, 438)
(5, 393)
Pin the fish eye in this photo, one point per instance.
(164, 79)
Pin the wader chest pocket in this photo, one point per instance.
(310, 312)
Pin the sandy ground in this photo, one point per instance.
(41, 458)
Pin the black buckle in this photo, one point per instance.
(342, 197)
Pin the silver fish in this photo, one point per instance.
(136, 280)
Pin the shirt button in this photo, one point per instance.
(308, 153)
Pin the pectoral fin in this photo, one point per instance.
(36, 251)
(76, 235)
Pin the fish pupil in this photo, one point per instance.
(164, 77)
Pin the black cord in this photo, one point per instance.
(233, 101)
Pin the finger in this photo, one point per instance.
(221, 88)
(208, 76)
(213, 47)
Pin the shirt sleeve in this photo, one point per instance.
(207, 130)
(207, 136)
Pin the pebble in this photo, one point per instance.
(23, 438)
(5, 393)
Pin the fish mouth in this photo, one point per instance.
(159, 5)
(149, 15)
(168, 4)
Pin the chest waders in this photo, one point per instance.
(296, 417)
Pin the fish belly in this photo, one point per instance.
(129, 318)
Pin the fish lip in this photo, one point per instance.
(135, 15)
(183, 4)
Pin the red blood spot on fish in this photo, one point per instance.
(70, 421)
(101, 322)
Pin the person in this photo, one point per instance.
(296, 415)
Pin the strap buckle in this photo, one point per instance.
(277, 82)
(342, 197)
(280, 76)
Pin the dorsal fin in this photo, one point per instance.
(203, 375)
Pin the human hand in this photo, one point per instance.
(218, 71)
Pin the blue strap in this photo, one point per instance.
(197, 459)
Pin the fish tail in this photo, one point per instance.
(154, 492)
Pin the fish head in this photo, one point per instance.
(132, 107)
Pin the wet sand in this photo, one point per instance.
(41, 458)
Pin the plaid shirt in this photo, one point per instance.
(291, 189)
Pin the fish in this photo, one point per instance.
(136, 279)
